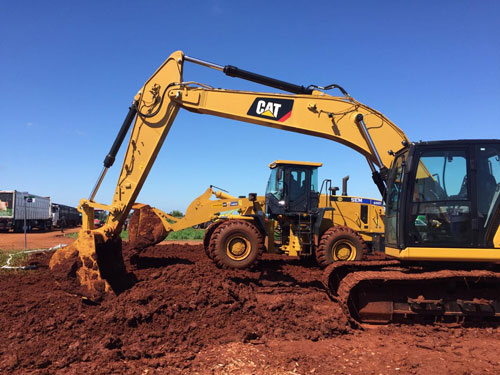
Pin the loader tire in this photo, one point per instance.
(237, 244)
(207, 244)
(340, 244)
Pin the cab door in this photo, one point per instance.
(442, 208)
(393, 217)
(487, 187)
(298, 186)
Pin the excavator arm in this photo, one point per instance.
(307, 110)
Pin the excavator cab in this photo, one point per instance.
(443, 195)
(441, 225)
(292, 188)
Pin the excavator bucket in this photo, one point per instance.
(91, 266)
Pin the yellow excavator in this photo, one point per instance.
(296, 217)
(442, 197)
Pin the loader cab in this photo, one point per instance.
(443, 194)
(292, 187)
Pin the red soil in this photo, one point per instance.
(185, 316)
(35, 239)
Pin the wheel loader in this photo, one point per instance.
(442, 197)
(297, 217)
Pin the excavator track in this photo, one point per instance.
(389, 291)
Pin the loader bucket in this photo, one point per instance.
(91, 267)
(145, 228)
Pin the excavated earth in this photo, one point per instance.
(186, 316)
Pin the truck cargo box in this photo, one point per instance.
(15, 206)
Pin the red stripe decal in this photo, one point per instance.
(285, 117)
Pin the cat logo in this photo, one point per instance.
(271, 109)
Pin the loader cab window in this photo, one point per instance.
(440, 213)
(314, 180)
(275, 183)
(298, 184)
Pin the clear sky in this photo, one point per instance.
(69, 71)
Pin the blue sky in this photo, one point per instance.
(69, 71)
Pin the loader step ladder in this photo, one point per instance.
(305, 225)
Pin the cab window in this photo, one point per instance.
(298, 183)
(275, 183)
(440, 205)
(488, 182)
(395, 183)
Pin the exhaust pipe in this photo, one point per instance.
(344, 185)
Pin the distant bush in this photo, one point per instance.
(176, 213)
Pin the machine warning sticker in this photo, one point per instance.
(271, 109)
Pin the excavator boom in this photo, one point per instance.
(312, 112)
(153, 111)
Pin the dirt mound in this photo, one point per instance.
(181, 304)
(186, 316)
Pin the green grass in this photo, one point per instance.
(18, 258)
(186, 234)
(3, 259)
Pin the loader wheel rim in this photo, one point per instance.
(344, 250)
(238, 247)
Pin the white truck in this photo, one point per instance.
(16, 206)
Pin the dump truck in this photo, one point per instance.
(16, 206)
(63, 215)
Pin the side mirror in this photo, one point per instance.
(252, 197)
